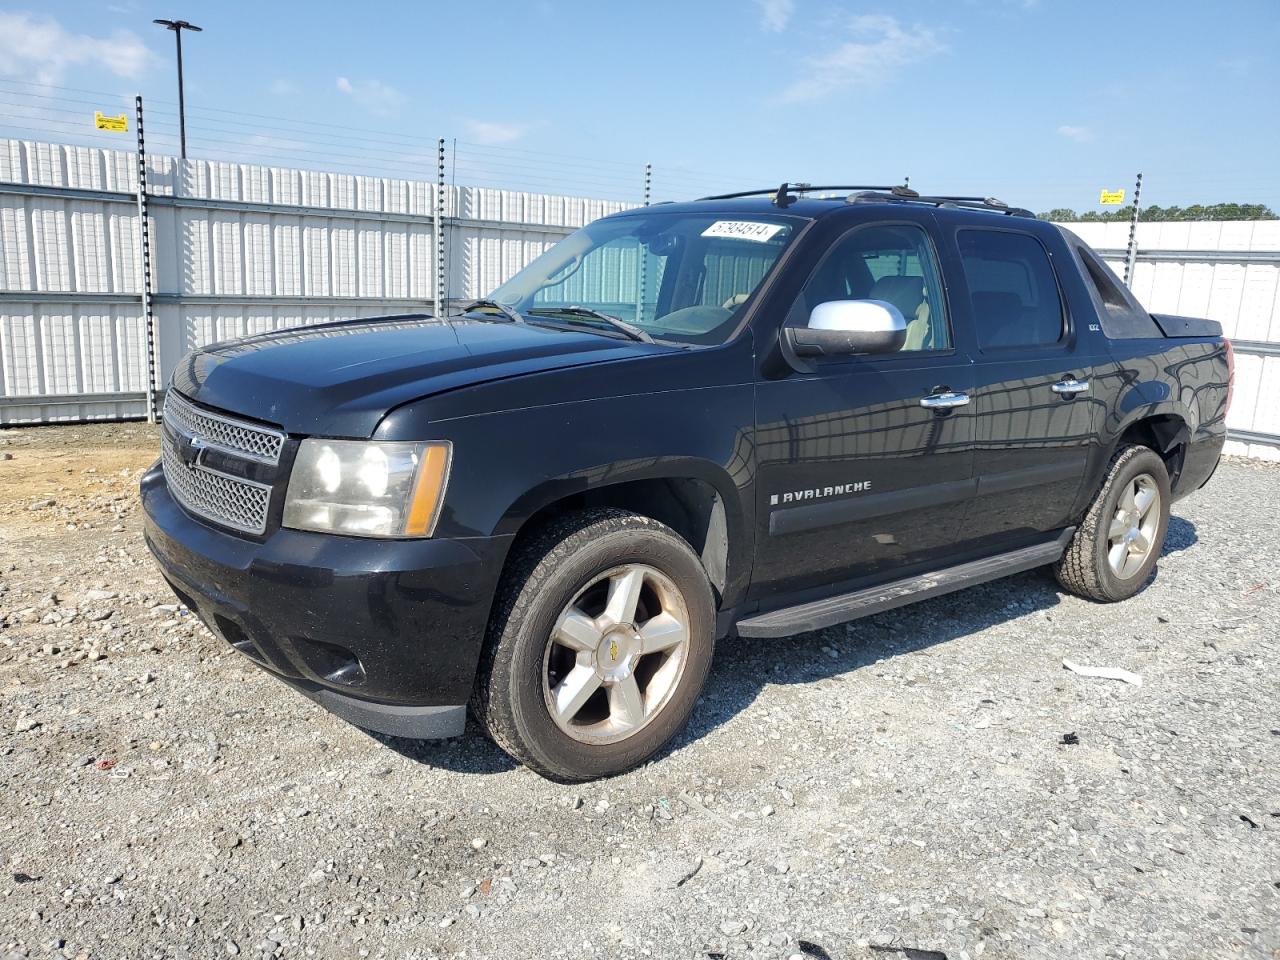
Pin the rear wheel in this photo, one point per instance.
(1115, 548)
(598, 647)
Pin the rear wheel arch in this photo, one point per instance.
(1161, 429)
(1168, 434)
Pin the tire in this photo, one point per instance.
(548, 626)
(1088, 567)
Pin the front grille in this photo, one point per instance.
(239, 437)
(230, 501)
(222, 497)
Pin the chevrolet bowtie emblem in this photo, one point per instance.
(613, 650)
(191, 449)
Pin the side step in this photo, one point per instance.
(863, 603)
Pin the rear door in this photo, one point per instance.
(857, 479)
(1034, 400)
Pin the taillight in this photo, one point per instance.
(1231, 374)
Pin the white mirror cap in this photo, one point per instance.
(857, 316)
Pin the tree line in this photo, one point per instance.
(1197, 211)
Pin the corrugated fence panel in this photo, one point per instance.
(21, 361)
(1259, 308)
(14, 252)
(315, 248)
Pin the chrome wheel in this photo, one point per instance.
(616, 654)
(1132, 534)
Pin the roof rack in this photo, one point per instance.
(788, 193)
(906, 195)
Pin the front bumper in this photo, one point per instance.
(384, 633)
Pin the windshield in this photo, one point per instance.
(675, 277)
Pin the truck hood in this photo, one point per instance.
(340, 379)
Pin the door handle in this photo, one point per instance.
(1070, 386)
(944, 401)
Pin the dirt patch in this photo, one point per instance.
(73, 477)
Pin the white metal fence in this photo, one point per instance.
(236, 249)
(1228, 271)
(240, 249)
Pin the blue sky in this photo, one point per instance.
(1039, 102)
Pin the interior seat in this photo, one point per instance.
(908, 295)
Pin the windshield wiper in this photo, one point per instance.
(633, 332)
(477, 306)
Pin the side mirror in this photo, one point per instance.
(847, 327)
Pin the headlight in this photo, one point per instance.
(367, 489)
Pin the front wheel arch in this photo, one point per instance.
(702, 505)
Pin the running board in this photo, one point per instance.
(864, 603)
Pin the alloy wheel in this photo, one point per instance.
(1134, 525)
(616, 654)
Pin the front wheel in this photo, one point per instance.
(599, 644)
(1116, 546)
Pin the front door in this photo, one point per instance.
(858, 479)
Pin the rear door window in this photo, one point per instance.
(1013, 291)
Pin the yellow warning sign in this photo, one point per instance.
(118, 124)
(1111, 198)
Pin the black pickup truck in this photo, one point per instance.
(748, 415)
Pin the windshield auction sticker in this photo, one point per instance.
(743, 230)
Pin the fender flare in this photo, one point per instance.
(738, 531)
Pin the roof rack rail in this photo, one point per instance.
(901, 195)
(788, 193)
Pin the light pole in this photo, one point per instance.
(177, 26)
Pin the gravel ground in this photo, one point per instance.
(927, 783)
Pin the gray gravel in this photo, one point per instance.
(901, 783)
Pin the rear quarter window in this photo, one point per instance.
(1121, 316)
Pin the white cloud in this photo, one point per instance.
(878, 48)
(775, 14)
(41, 50)
(1078, 134)
(487, 132)
(1238, 66)
(284, 87)
(374, 95)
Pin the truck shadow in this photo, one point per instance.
(473, 752)
(742, 668)
(1180, 536)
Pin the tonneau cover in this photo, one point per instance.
(1174, 326)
